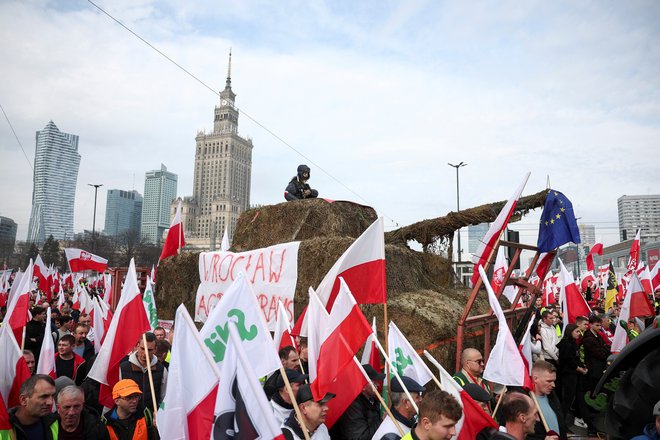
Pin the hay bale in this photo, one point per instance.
(300, 220)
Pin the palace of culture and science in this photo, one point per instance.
(221, 186)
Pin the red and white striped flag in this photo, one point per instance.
(42, 273)
(635, 250)
(13, 369)
(282, 335)
(645, 278)
(655, 276)
(187, 410)
(80, 260)
(573, 302)
(19, 302)
(127, 326)
(491, 238)
(636, 304)
(370, 354)
(595, 249)
(175, 239)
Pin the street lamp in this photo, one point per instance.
(96, 190)
(458, 205)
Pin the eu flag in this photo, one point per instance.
(558, 225)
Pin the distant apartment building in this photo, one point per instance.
(637, 212)
(123, 212)
(159, 192)
(587, 234)
(8, 228)
(56, 164)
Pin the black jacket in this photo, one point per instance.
(93, 427)
(360, 420)
(34, 337)
(569, 356)
(596, 352)
(18, 428)
(124, 429)
(295, 190)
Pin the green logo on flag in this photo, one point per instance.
(401, 362)
(217, 342)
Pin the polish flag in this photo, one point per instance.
(42, 273)
(282, 335)
(655, 276)
(586, 277)
(127, 327)
(474, 418)
(645, 279)
(505, 363)
(362, 266)
(492, 237)
(635, 250)
(175, 239)
(192, 385)
(345, 331)
(573, 302)
(548, 291)
(13, 369)
(545, 260)
(100, 321)
(80, 261)
(107, 289)
(349, 380)
(595, 249)
(19, 303)
(370, 354)
(46, 363)
(636, 304)
(242, 401)
(499, 270)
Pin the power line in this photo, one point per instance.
(262, 126)
(17, 139)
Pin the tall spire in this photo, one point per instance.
(228, 83)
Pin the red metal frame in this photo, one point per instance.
(513, 315)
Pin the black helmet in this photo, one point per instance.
(302, 169)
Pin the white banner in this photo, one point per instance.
(272, 272)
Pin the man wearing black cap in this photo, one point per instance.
(402, 409)
(281, 401)
(362, 417)
(313, 414)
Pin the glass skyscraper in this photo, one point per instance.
(159, 191)
(56, 164)
(123, 212)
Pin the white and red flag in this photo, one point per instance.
(595, 249)
(345, 332)
(636, 304)
(46, 363)
(635, 250)
(243, 406)
(101, 322)
(13, 369)
(282, 335)
(548, 290)
(586, 277)
(655, 276)
(362, 266)
(645, 279)
(80, 260)
(19, 303)
(492, 237)
(42, 272)
(370, 354)
(545, 260)
(474, 418)
(505, 363)
(175, 239)
(187, 411)
(126, 328)
(499, 270)
(573, 302)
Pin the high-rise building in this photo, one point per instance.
(637, 212)
(123, 212)
(8, 228)
(476, 233)
(587, 234)
(159, 191)
(223, 169)
(56, 163)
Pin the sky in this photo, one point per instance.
(377, 97)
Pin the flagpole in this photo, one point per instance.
(151, 378)
(387, 364)
(294, 402)
(396, 373)
(380, 398)
(499, 400)
(437, 365)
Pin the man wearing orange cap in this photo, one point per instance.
(128, 419)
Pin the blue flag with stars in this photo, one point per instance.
(558, 225)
